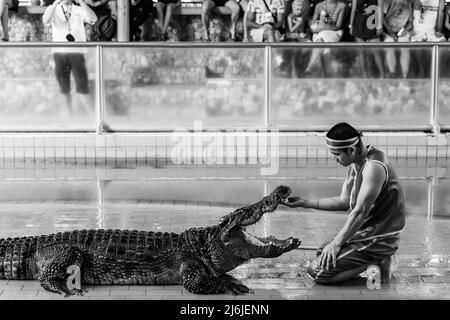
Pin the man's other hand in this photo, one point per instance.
(329, 254)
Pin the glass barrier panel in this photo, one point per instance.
(444, 87)
(168, 88)
(34, 95)
(374, 87)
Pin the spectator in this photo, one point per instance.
(5, 6)
(398, 23)
(296, 31)
(297, 21)
(164, 21)
(366, 25)
(427, 26)
(263, 18)
(101, 8)
(140, 10)
(67, 21)
(326, 26)
(447, 18)
(428, 20)
(207, 5)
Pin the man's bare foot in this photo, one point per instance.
(385, 269)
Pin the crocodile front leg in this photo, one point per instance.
(198, 280)
(54, 262)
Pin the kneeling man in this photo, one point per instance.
(374, 198)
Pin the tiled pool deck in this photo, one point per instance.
(422, 268)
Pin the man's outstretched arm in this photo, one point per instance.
(339, 203)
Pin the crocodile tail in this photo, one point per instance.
(16, 257)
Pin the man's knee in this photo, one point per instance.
(311, 271)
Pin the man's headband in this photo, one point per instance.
(342, 144)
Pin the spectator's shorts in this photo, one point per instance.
(257, 35)
(328, 36)
(220, 3)
(71, 62)
(405, 38)
(168, 1)
(420, 36)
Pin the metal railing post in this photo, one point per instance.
(266, 218)
(431, 188)
(100, 203)
(123, 21)
(267, 86)
(99, 94)
(435, 91)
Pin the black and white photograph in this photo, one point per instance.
(241, 152)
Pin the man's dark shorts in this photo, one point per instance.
(351, 257)
(65, 63)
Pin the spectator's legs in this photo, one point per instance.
(207, 5)
(323, 64)
(362, 58)
(160, 14)
(277, 35)
(86, 102)
(390, 55)
(80, 76)
(378, 58)
(405, 55)
(68, 99)
(235, 10)
(62, 73)
(89, 30)
(405, 59)
(168, 18)
(269, 36)
(419, 63)
(4, 19)
(390, 59)
(315, 54)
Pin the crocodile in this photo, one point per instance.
(198, 258)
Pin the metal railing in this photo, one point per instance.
(433, 126)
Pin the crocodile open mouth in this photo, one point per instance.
(263, 241)
(270, 241)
